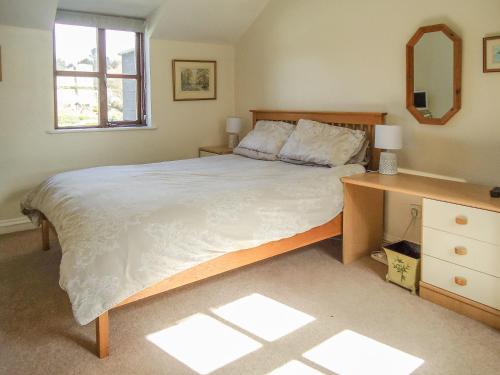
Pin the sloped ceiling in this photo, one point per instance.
(214, 21)
(128, 8)
(36, 14)
(211, 21)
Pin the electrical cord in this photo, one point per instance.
(412, 221)
(379, 254)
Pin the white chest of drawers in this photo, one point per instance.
(461, 257)
(460, 237)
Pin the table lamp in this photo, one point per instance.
(388, 137)
(233, 128)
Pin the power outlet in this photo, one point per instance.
(416, 210)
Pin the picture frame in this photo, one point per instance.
(491, 54)
(194, 80)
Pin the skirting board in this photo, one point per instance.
(18, 224)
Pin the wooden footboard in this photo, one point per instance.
(217, 266)
(241, 258)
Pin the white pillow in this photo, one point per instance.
(363, 156)
(323, 144)
(254, 154)
(267, 137)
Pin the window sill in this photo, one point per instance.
(98, 130)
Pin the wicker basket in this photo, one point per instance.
(403, 261)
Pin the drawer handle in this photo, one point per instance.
(460, 250)
(462, 281)
(461, 220)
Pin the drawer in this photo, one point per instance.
(479, 287)
(467, 252)
(471, 222)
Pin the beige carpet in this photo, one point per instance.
(39, 336)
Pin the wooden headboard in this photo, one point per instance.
(353, 120)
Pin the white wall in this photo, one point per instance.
(298, 54)
(28, 154)
(350, 55)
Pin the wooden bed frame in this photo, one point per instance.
(354, 120)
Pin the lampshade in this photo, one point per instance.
(233, 125)
(388, 137)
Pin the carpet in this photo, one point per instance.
(299, 313)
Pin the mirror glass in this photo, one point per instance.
(433, 74)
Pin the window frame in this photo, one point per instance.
(102, 75)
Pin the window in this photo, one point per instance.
(98, 77)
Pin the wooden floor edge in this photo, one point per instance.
(461, 305)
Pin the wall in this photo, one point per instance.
(308, 54)
(28, 154)
(350, 55)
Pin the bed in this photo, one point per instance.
(131, 232)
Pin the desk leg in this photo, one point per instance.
(363, 224)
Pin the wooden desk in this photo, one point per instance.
(471, 195)
(457, 218)
(364, 204)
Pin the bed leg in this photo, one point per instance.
(45, 234)
(102, 335)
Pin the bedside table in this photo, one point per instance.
(460, 264)
(214, 150)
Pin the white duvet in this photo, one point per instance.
(125, 228)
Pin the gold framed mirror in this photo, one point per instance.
(434, 74)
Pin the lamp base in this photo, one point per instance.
(233, 140)
(388, 163)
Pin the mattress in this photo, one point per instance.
(125, 228)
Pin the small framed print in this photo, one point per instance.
(491, 54)
(194, 79)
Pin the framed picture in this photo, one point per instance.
(491, 54)
(194, 79)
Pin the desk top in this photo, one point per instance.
(466, 194)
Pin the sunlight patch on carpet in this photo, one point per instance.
(295, 368)
(203, 343)
(263, 316)
(351, 353)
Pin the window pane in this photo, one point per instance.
(77, 101)
(76, 48)
(122, 99)
(120, 52)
